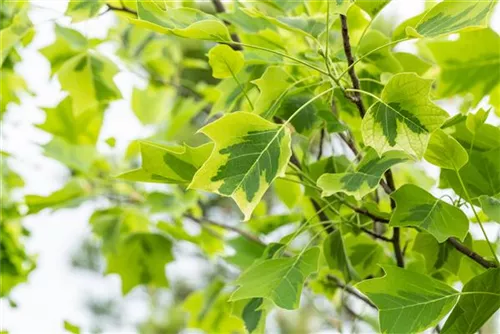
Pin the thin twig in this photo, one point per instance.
(121, 9)
(244, 234)
(375, 235)
(350, 290)
(350, 61)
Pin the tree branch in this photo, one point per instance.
(471, 254)
(350, 290)
(121, 9)
(244, 234)
(350, 61)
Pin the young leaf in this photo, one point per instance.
(279, 280)
(182, 22)
(365, 178)
(468, 65)
(249, 154)
(473, 310)
(372, 7)
(481, 175)
(225, 62)
(408, 302)
(81, 10)
(383, 58)
(150, 104)
(452, 16)
(336, 256)
(273, 85)
(140, 259)
(81, 129)
(445, 152)
(340, 6)
(416, 207)
(88, 77)
(164, 164)
(491, 206)
(475, 121)
(13, 34)
(404, 118)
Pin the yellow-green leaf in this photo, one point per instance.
(250, 152)
(404, 118)
(225, 61)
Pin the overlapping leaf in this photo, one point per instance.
(416, 207)
(468, 65)
(365, 178)
(140, 259)
(407, 301)
(249, 154)
(452, 16)
(279, 280)
(225, 61)
(480, 300)
(165, 164)
(444, 151)
(404, 118)
(182, 22)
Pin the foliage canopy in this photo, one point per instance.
(288, 141)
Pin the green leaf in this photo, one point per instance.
(491, 206)
(289, 192)
(452, 16)
(168, 164)
(372, 7)
(273, 86)
(437, 256)
(445, 152)
(336, 256)
(412, 63)
(249, 154)
(473, 310)
(182, 22)
(364, 179)
(77, 157)
(88, 77)
(71, 328)
(469, 64)
(474, 122)
(68, 44)
(140, 258)
(111, 224)
(383, 58)
(71, 194)
(81, 129)
(309, 118)
(20, 27)
(150, 104)
(81, 10)
(364, 254)
(279, 280)
(481, 175)
(416, 207)
(408, 302)
(404, 118)
(340, 6)
(225, 61)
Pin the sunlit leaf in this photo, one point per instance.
(473, 310)
(81, 10)
(168, 164)
(444, 151)
(88, 77)
(451, 16)
(182, 22)
(404, 118)
(468, 65)
(416, 207)
(225, 62)
(249, 154)
(279, 280)
(140, 259)
(364, 179)
(408, 302)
